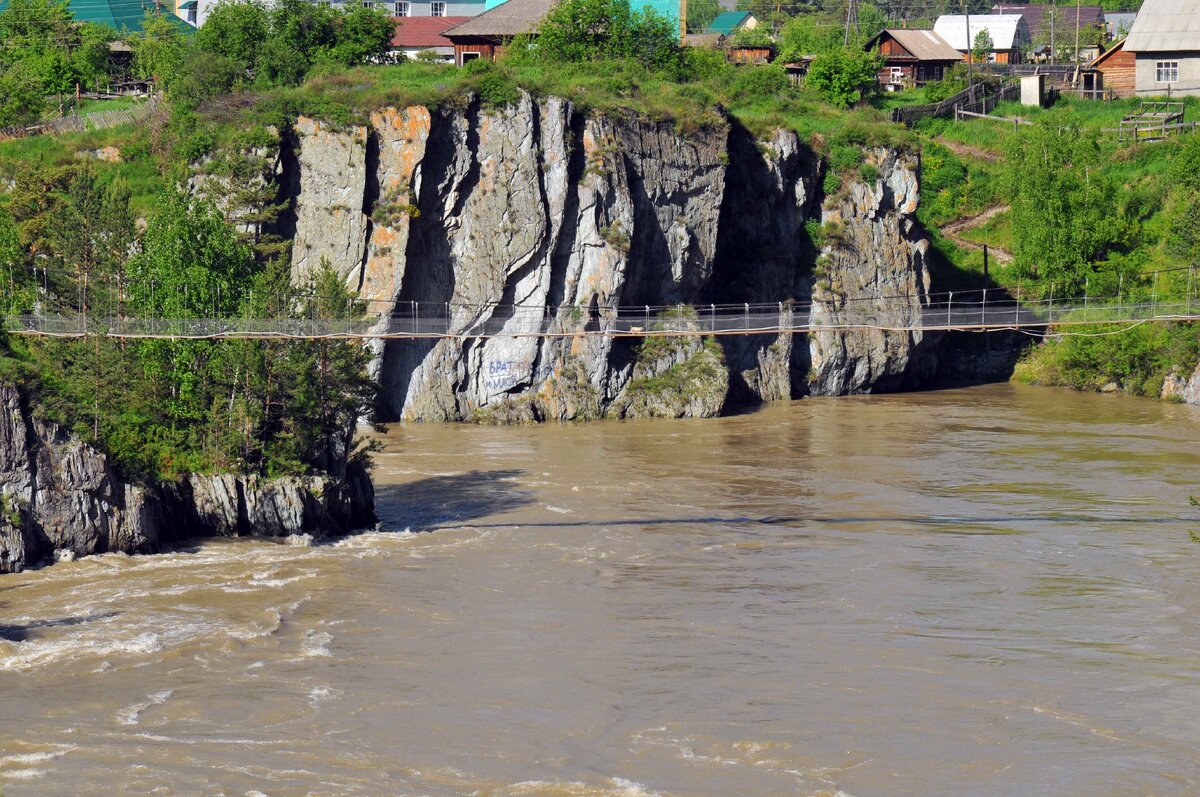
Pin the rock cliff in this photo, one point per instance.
(61, 499)
(473, 210)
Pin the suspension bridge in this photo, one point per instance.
(974, 311)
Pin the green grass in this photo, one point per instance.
(760, 98)
(138, 167)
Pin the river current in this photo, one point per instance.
(988, 591)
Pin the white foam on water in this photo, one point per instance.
(560, 510)
(154, 737)
(23, 774)
(618, 787)
(38, 653)
(316, 644)
(130, 715)
(320, 693)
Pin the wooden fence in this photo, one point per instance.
(78, 124)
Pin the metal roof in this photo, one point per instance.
(1007, 30)
(120, 15)
(924, 45)
(1166, 26)
(512, 18)
(728, 21)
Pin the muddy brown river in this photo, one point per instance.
(988, 591)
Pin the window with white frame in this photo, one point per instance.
(437, 9)
(1166, 72)
(368, 3)
(401, 8)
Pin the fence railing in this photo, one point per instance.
(78, 124)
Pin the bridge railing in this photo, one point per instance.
(977, 310)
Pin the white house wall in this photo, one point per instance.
(1189, 73)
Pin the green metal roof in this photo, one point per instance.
(728, 21)
(190, 4)
(118, 14)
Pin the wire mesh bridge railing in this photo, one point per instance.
(984, 310)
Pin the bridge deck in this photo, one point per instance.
(488, 321)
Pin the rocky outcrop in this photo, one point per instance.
(61, 499)
(873, 249)
(1181, 387)
(470, 211)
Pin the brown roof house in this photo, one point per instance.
(486, 35)
(416, 36)
(913, 57)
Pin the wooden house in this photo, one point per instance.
(1165, 42)
(486, 35)
(912, 57)
(1114, 71)
(1009, 34)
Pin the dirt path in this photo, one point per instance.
(967, 150)
(954, 231)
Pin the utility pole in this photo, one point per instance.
(1053, 12)
(851, 20)
(970, 51)
(1076, 40)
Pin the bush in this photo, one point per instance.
(593, 30)
(845, 76)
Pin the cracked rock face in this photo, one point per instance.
(876, 250)
(565, 214)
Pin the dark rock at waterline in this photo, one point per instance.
(62, 499)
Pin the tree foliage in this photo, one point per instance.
(1063, 203)
(162, 408)
(844, 76)
(44, 51)
(596, 30)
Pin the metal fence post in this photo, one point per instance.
(747, 315)
(949, 304)
(983, 310)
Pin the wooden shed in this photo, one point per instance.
(1115, 71)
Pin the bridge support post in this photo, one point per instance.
(747, 304)
(949, 304)
(1191, 279)
(1086, 289)
(712, 315)
(1017, 310)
